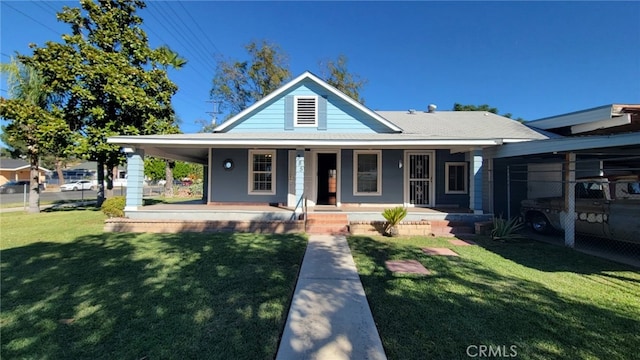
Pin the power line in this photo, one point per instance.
(184, 39)
(27, 16)
(46, 3)
(205, 35)
(39, 4)
(193, 36)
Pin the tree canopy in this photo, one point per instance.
(108, 79)
(339, 77)
(35, 126)
(239, 84)
(483, 107)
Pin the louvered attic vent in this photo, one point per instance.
(306, 111)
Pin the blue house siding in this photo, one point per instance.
(392, 179)
(232, 186)
(442, 157)
(341, 116)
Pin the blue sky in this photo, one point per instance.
(531, 59)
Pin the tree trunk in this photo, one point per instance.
(168, 186)
(100, 198)
(59, 171)
(111, 174)
(34, 185)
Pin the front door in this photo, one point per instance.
(418, 175)
(327, 179)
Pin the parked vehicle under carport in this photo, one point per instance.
(606, 207)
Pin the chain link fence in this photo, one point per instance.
(590, 204)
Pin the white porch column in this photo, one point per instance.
(135, 178)
(299, 187)
(475, 181)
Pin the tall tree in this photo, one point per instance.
(338, 76)
(483, 107)
(35, 126)
(238, 84)
(111, 81)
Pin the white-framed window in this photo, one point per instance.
(262, 172)
(456, 178)
(367, 172)
(305, 111)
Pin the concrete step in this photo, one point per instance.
(329, 223)
(328, 216)
(327, 229)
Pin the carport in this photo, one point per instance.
(594, 142)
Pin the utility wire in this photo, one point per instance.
(193, 21)
(184, 39)
(193, 37)
(27, 16)
(46, 10)
(46, 3)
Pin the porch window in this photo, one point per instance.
(367, 172)
(262, 165)
(456, 175)
(306, 111)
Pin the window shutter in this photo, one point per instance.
(288, 112)
(322, 112)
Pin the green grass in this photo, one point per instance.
(70, 291)
(22, 229)
(548, 302)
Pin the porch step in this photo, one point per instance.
(446, 228)
(332, 223)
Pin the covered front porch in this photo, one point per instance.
(195, 216)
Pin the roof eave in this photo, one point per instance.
(137, 142)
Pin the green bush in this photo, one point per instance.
(114, 207)
(506, 229)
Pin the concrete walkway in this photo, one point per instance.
(329, 316)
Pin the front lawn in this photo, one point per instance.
(522, 299)
(94, 295)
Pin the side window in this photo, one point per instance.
(589, 191)
(456, 177)
(633, 188)
(367, 173)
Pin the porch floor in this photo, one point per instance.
(196, 210)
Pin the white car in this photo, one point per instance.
(77, 185)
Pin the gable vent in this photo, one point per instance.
(306, 111)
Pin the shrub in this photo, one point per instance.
(506, 229)
(393, 217)
(114, 207)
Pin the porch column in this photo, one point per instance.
(299, 181)
(475, 180)
(568, 216)
(135, 178)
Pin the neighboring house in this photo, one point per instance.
(308, 143)
(17, 169)
(600, 141)
(88, 170)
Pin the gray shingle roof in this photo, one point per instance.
(16, 164)
(461, 125)
(12, 164)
